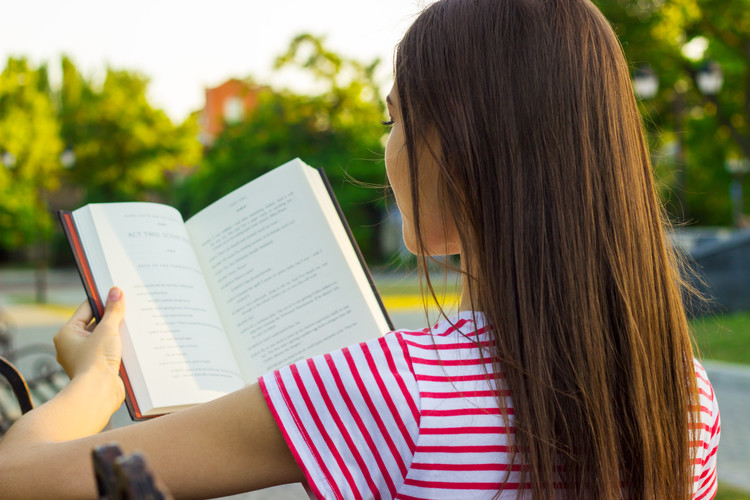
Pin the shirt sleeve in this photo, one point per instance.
(350, 418)
(705, 479)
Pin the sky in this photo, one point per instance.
(185, 46)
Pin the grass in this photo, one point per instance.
(729, 493)
(724, 338)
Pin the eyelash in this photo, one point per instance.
(387, 123)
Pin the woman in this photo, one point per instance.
(569, 373)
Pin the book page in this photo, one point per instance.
(176, 335)
(340, 234)
(282, 285)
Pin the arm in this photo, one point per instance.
(223, 447)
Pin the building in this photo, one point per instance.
(226, 104)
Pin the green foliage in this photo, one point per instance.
(338, 129)
(30, 144)
(125, 149)
(710, 129)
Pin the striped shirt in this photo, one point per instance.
(414, 415)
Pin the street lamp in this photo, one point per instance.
(645, 82)
(646, 86)
(709, 78)
(68, 158)
(737, 167)
(8, 159)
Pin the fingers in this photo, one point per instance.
(83, 314)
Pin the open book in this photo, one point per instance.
(263, 277)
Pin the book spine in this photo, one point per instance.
(94, 298)
(84, 271)
(355, 246)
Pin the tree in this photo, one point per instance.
(124, 148)
(30, 149)
(338, 129)
(710, 129)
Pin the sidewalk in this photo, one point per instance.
(731, 384)
(37, 324)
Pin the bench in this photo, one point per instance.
(44, 377)
(125, 477)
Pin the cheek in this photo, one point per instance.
(396, 169)
(398, 177)
(439, 234)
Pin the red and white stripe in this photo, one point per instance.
(414, 415)
(704, 468)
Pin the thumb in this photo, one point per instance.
(114, 310)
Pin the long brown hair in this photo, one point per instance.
(546, 174)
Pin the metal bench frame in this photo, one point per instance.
(44, 378)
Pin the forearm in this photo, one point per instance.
(81, 409)
(229, 445)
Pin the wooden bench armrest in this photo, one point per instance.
(125, 477)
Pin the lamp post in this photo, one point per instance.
(8, 160)
(67, 160)
(737, 167)
(646, 86)
(709, 78)
(645, 82)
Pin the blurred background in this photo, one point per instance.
(183, 102)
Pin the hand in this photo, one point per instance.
(86, 347)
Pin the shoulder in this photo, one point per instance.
(464, 329)
(351, 417)
(400, 348)
(450, 345)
